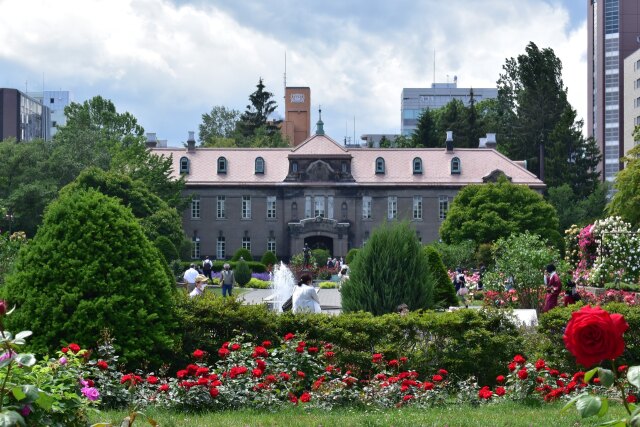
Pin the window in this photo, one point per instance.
(344, 167)
(195, 248)
(294, 210)
(379, 165)
(294, 167)
(259, 165)
(307, 207)
(271, 245)
(52, 100)
(343, 210)
(443, 207)
(417, 165)
(392, 207)
(195, 207)
(222, 165)
(455, 165)
(184, 165)
(318, 206)
(417, 207)
(271, 207)
(221, 213)
(221, 248)
(246, 207)
(246, 243)
(366, 207)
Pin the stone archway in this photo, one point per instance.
(320, 242)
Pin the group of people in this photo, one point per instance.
(197, 279)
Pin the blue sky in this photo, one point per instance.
(168, 62)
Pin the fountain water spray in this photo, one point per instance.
(282, 285)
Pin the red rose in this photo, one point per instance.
(485, 393)
(257, 373)
(260, 351)
(202, 371)
(554, 372)
(328, 346)
(329, 354)
(203, 381)
(301, 374)
(312, 350)
(443, 372)
(302, 344)
(164, 388)
(500, 379)
(214, 392)
(182, 373)
(596, 381)
(427, 385)
(261, 364)
(622, 368)
(299, 349)
(289, 336)
(407, 397)
(593, 335)
(223, 352)
(284, 376)
(235, 347)
(437, 378)
(65, 350)
(500, 391)
(74, 347)
(102, 365)
(306, 397)
(519, 359)
(152, 380)
(266, 344)
(198, 354)
(540, 364)
(632, 399)
(512, 366)
(376, 358)
(523, 374)
(393, 362)
(293, 399)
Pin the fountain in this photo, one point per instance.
(282, 285)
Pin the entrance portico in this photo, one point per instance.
(319, 232)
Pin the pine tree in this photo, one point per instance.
(425, 133)
(258, 112)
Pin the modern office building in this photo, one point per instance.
(416, 100)
(613, 34)
(323, 193)
(23, 117)
(631, 100)
(55, 100)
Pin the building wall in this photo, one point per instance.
(297, 120)
(613, 27)
(55, 100)
(416, 100)
(631, 99)
(23, 117)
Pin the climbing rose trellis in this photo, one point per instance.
(617, 252)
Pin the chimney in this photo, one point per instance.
(449, 141)
(191, 142)
(152, 142)
(491, 141)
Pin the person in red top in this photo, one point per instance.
(554, 286)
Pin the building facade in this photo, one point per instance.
(322, 193)
(23, 117)
(55, 100)
(296, 126)
(415, 100)
(613, 34)
(631, 99)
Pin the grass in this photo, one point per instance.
(505, 414)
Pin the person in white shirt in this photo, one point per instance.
(305, 298)
(190, 277)
(201, 282)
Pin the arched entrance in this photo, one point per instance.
(320, 242)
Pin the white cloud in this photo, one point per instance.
(168, 64)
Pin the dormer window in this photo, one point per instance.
(417, 166)
(184, 165)
(259, 165)
(294, 167)
(455, 166)
(380, 165)
(222, 165)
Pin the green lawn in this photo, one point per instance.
(505, 414)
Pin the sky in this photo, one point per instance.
(168, 62)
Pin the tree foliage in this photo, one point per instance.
(572, 209)
(242, 253)
(389, 270)
(523, 257)
(242, 273)
(456, 255)
(425, 133)
(626, 201)
(220, 122)
(258, 111)
(269, 259)
(90, 267)
(444, 293)
(485, 212)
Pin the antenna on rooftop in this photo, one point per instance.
(285, 77)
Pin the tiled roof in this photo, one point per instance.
(476, 164)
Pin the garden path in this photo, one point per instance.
(330, 301)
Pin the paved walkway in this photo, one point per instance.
(330, 301)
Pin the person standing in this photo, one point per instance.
(227, 279)
(190, 277)
(306, 254)
(305, 298)
(554, 286)
(201, 282)
(207, 266)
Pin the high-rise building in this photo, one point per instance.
(23, 117)
(614, 33)
(297, 115)
(631, 99)
(416, 100)
(55, 100)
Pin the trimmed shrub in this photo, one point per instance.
(351, 255)
(444, 293)
(328, 285)
(242, 273)
(389, 270)
(242, 253)
(166, 248)
(258, 284)
(321, 256)
(90, 267)
(256, 267)
(457, 254)
(269, 258)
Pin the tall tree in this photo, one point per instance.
(425, 133)
(626, 200)
(258, 112)
(220, 122)
(451, 117)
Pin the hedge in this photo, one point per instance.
(256, 267)
(467, 342)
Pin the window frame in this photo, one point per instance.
(443, 207)
(456, 166)
(221, 208)
(195, 207)
(222, 164)
(271, 207)
(418, 208)
(417, 170)
(259, 166)
(367, 205)
(185, 165)
(246, 207)
(221, 247)
(392, 207)
(380, 166)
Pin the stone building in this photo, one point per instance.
(322, 193)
